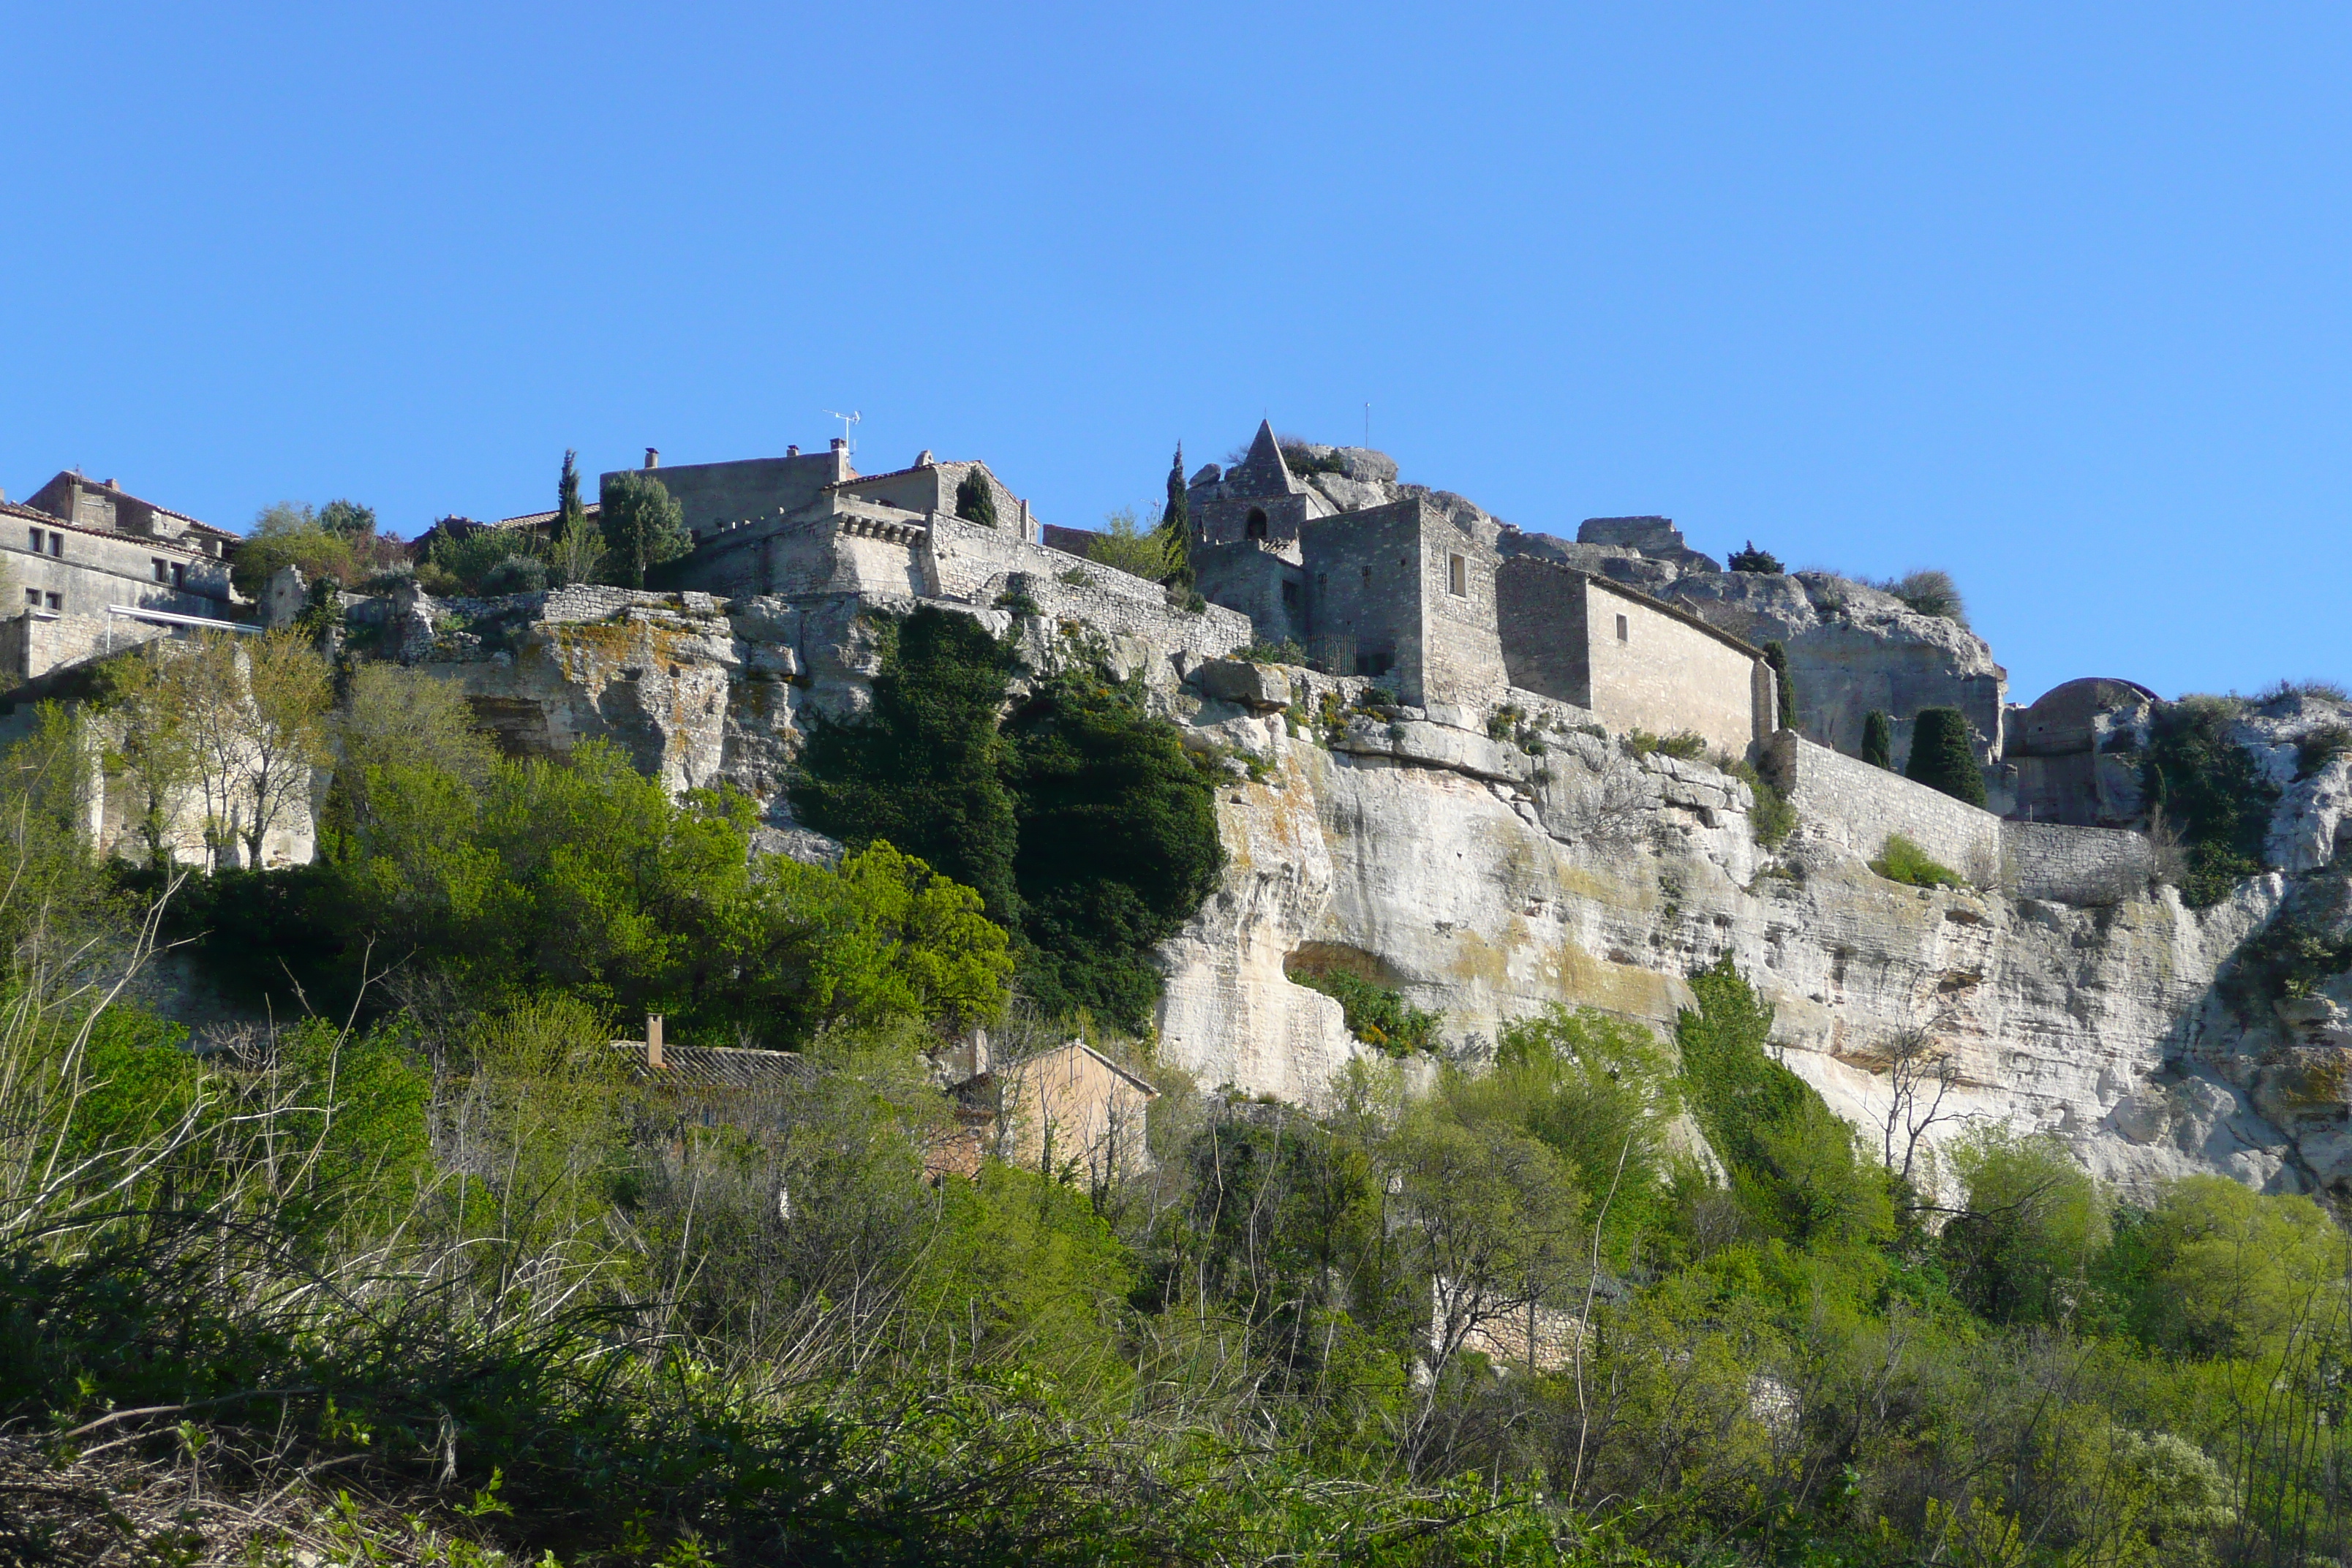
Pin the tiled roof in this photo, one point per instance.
(49, 519)
(713, 1067)
(538, 519)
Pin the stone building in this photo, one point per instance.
(1415, 593)
(92, 567)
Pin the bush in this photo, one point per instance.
(1263, 652)
(1901, 860)
(2322, 746)
(1929, 593)
(1942, 757)
(1761, 561)
(1879, 740)
(644, 526)
(1375, 1013)
(1137, 550)
(1684, 745)
(1772, 818)
(975, 499)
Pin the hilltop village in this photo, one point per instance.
(1484, 768)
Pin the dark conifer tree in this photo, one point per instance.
(1879, 740)
(1175, 529)
(1777, 656)
(975, 501)
(568, 513)
(1941, 757)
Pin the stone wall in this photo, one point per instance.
(1461, 651)
(34, 642)
(1540, 612)
(711, 494)
(1856, 806)
(1263, 581)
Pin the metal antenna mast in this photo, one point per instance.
(848, 420)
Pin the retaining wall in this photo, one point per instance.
(1856, 806)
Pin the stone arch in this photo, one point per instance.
(1256, 527)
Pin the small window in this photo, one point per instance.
(36, 540)
(1457, 577)
(1256, 525)
(179, 574)
(1290, 596)
(56, 542)
(1624, 631)
(161, 575)
(56, 601)
(32, 598)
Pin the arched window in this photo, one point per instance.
(1256, 526)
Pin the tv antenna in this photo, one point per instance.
(848, 420)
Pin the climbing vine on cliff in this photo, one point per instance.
(1088, 830)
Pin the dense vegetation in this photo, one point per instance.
(2208, 790)
(1088, 830)
(415, 1272)
(1943, 757)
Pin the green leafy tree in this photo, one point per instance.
(2211, 791)
(2034, 1226)
(1942, 757)
(348, 517)
(1126, 546)
(1600, 1092)
(1879, 740)
(1776, 655)
(290, 534)
(975, 498)
(644, 527)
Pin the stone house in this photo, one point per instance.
(92, 567)
(1068, 1109)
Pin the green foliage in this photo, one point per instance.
(1772, 818)
(1942, 757)
(1929, 593)
(1125, 546)
(290, 533)
(975, 501)
(1302, 458)
(1600, 1092)
(1117, 843)
(471, 563)
(2208, 789)
(2323, 745)
(2032, 1227)
(1686, 745)
(348, 519)
(1796, 1169)
(1879, 740)
(1762, 562)
(642, 526)
(1079, 818)
(1784, 687)
(925, 767)
(1375, 1013)
(1902, 860)
(1285, 651)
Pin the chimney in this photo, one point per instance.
(841, 469)
(653, 1033)
(841, 444)
(923, 459)
(792, 451)
(653, 456)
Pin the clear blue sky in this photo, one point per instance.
(2057, 302)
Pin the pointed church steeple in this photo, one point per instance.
(1264, 472)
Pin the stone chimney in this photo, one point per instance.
(653, 456)
(792, 451)
(923, 459)
(841, 459)
(653, 1026)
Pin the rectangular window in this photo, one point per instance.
(159, 566)
(36, 540)
(1624, 632)
(1457, 577)
(56, 542)
(56, 601)
(179, 574)
(32, 598)
(1290, 596)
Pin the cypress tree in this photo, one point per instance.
(568, 513)
(642, 526)
(1879, 740)
(1941, 757)
(1175, 531)
(975, 501)
(1777, 656)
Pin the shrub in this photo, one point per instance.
(644, 526)
(1375, 1013)
(1902, 860)
(1929, 593)
(1942, 757)
(1761, 561)
(1772, 818)
(2320, 747)
(1879, 740)
(515, 574)
(1684, 745)
(1263, 652)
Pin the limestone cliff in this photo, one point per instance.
(1485, 865)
